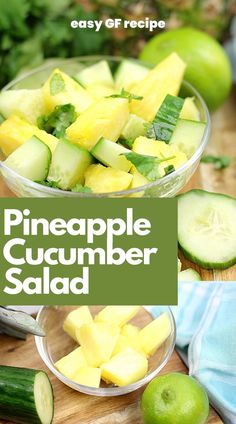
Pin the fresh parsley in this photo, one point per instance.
(169, 169)
(148, 166)
(79, 188)
(126, 95)
(57, 84)
(58, 120)
(52, 184)
(219, 162)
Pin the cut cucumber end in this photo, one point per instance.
(207, 228)
(111, 154)
(43, 396)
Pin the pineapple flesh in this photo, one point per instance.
(118, 315)
(88, 376)
(154, 334)
(190, 110)
(76, 319)
(103, 179)
(71, 363)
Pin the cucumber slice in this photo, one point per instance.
(99, 73)
(29, 104)
(207, 228)
(69, 163)
(26, 396)
(166, 119)
(31, 160)
(188, 135)
(189, 275)
(111, 154)
(129, 73)
(134, 128)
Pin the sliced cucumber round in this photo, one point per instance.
(207, 228)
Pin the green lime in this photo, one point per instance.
(174, 399)
(208, 67)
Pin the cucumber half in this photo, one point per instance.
(26, 396)
(111, 154)
(99, 73)
(31, 160)
(207, 228)
(129, 73)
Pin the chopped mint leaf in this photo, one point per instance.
(57, 84)
(58, 120)
(148, 166)
(126, 95)
(169, 169)
(52, 184)
(79, 188)
(219, 162)
(127, 142)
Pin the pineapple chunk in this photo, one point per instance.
(87, 376)
(60, 89)
(15, 131)
(118, 315)
(138, 181)
(146, 146)
(105, 118)
(128, 339)
(98, 341)
(76, 319)
(71, 363)
(125, 368)
(104, 180)
(190, 110)
(99, 91)
(154, 334)
(164, 79)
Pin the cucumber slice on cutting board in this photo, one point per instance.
(189, 275)
(188, 135)
(31, 160)
(99, 73)
(69, 163)
(29, 104)
(207, 228)
(111, 154)
(26, 396)
(129, 73)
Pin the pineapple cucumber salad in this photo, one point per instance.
(98, 132)
(109, 348)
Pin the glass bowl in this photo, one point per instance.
(57, 344)
(167, 186)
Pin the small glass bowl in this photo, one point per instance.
(167, 186)
(57, 344)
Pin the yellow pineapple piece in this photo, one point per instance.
(60, 89)
(190, 110)
(99, 91)
(98, 341)
(76, 319)
(103, 179)
(71, 363)
(164, 79)
(138, 181)
(88, 376)
(118, 315)
(128, 339)
(15, 131)
(160, 149)
(104, 118)
(154, 334)
(125, 368)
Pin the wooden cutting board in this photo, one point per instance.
(72, 407)
(222, 142)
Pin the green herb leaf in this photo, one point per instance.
(219, 162)
(58, 120)
(52, 184)
(79, 188)
(128, 142)
(57, 84)
(126, 95)
(148, 166)
(169, 169)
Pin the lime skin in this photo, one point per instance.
(174, 398)
(208, 67)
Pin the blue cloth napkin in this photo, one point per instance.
(206, 340)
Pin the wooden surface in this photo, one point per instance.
(72, 407)
(222, 142)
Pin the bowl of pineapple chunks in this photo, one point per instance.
(105, 351)
(101, 127)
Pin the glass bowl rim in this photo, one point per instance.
(105, 391)
(122, 193)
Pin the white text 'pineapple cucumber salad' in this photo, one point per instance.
(98, 132)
